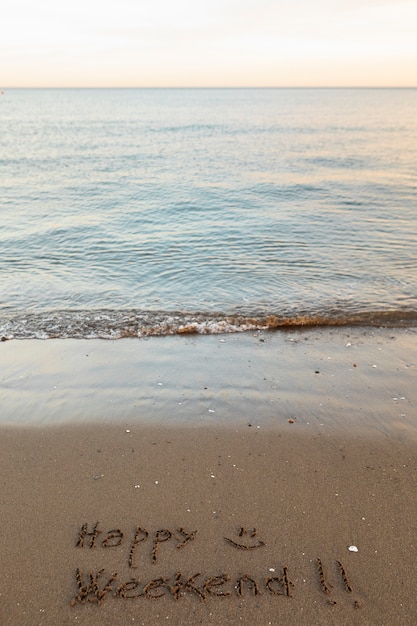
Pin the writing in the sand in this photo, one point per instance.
(98, 585)
(93, 536)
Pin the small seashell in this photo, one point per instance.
(353, 549)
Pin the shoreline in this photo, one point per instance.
(244, 516)
(360, 378)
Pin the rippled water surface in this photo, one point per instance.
(131, 212)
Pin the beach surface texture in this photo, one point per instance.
(254, 478)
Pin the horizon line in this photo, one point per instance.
(3, 88)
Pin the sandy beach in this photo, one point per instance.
(256, 478)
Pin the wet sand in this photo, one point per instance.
(251, 479)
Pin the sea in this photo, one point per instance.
(140, 212)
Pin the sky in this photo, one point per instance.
(208, 43)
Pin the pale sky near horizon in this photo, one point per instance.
(166, 43)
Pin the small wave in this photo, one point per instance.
(109, 324)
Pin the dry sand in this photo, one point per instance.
(210, 480)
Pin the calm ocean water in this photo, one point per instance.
(153, 211)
